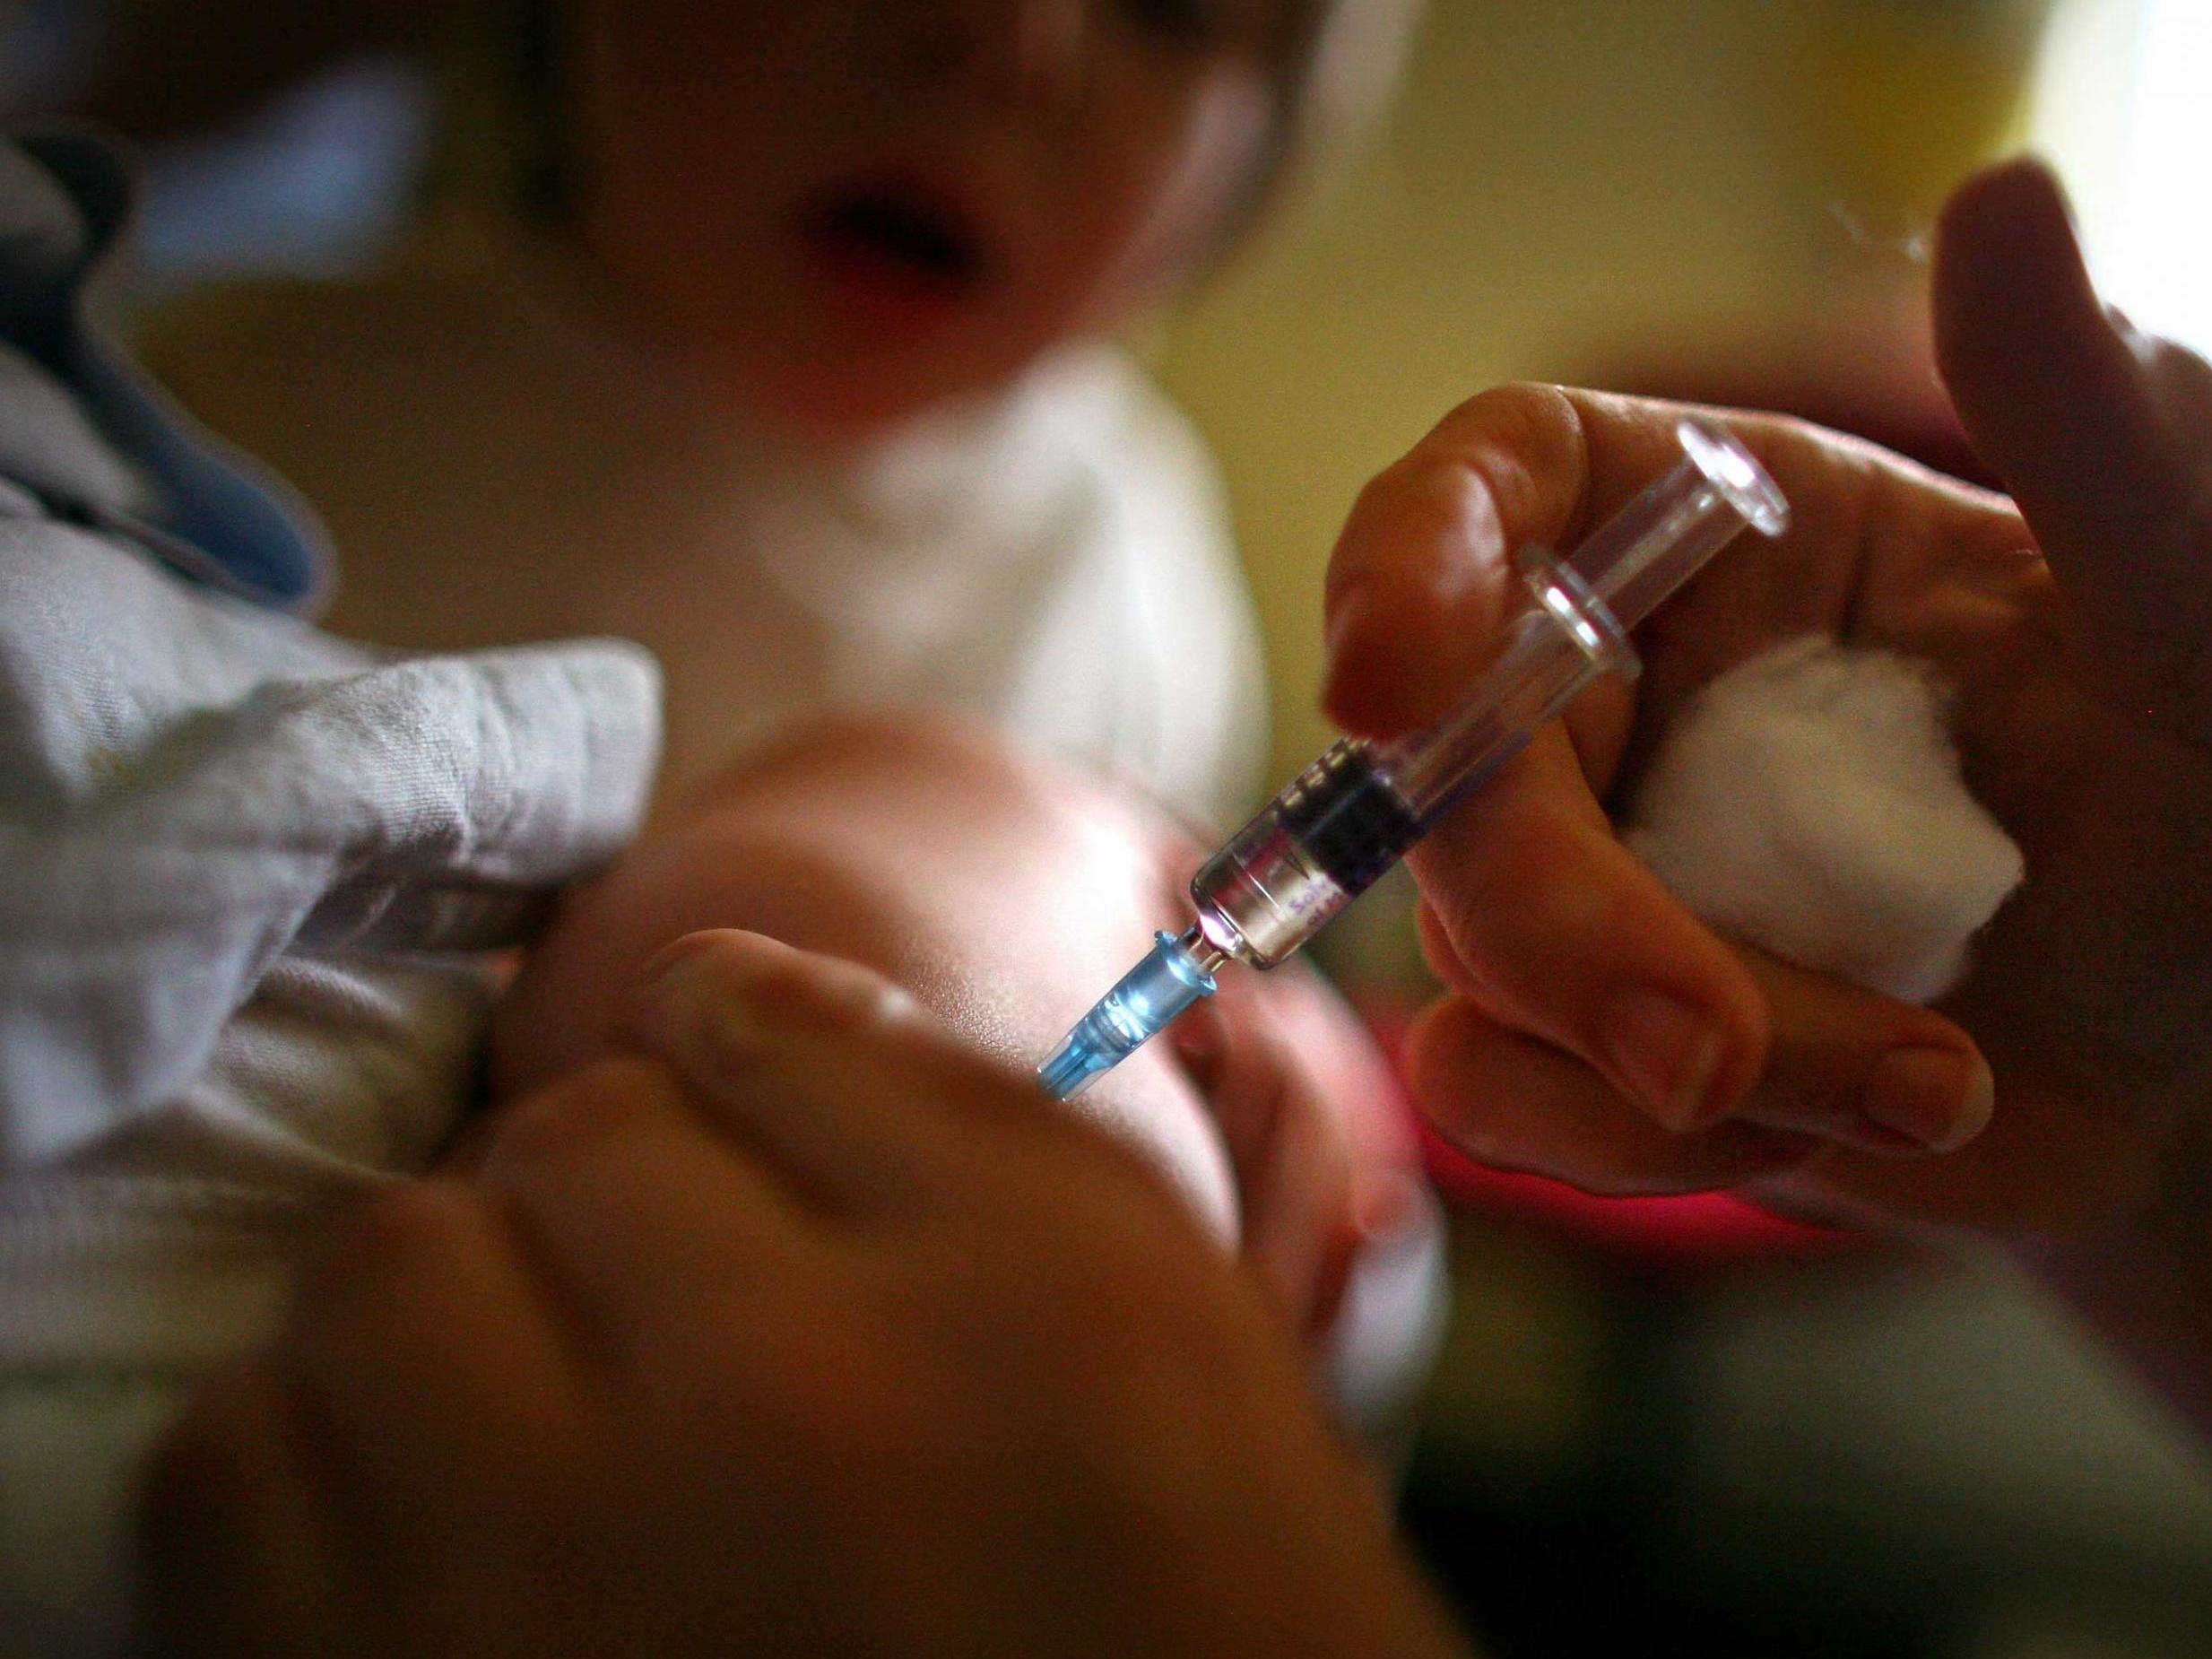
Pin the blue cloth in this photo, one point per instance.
(65, 200)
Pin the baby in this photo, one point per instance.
(252, 870)
(1004, 894)
(776, 337)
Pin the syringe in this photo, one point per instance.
(1338, 825)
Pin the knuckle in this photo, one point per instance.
(1429, 494)
(1440, 952)
(1466, 902)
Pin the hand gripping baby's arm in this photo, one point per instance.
(1003, 894)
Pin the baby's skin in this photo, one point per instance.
(1004, 895)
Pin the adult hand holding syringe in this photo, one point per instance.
(1347, 818)
(1596, 1030)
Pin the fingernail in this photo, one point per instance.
(699, 1001)
(664, 966)
(1667, 1049)
(695, 1016)
(1941, 1098)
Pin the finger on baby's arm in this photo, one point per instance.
(635, 1203)
(859, 1098)
(765, 1033)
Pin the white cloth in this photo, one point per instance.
(247, 875)
(1809, 801)
(1057, 561)
(502, 457)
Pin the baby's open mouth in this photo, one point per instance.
(895, 233)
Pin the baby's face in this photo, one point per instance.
(849, 210)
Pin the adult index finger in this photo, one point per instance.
(856, 1096)
(1422, 579)
(1419, 581)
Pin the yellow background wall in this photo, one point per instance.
(1564, 184)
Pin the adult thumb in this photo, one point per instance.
(2102, 435)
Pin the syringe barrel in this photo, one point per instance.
(1339, 824)
(1574, 620)
(1558, 639)
(1345, 820)
(1335, 827)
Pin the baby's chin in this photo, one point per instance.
(843, 398)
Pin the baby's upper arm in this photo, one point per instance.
(1004, 895)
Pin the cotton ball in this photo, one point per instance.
(1809, 802)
